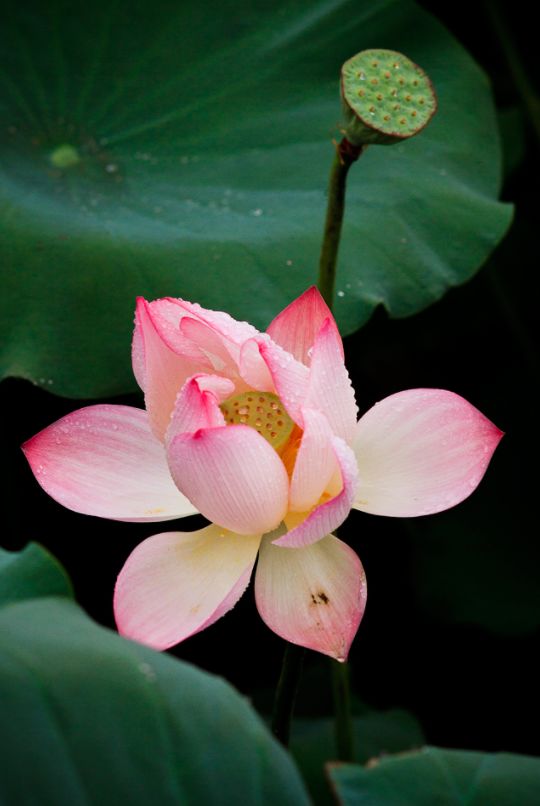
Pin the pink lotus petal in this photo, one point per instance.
(421, 451)
(289, 376)
(328, 516)
(138, 358)
(197, 405)
(297, 326)
(178, 583)
(315, 463)
(329, 388)
(234, 475)
(165, 370)
(104, 460)
(313, 596)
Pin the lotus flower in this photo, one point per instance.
(258, 433)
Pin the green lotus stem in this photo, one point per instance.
(287, 689)
(345, 155)
(343, 725)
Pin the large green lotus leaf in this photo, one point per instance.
(90, 718)
(441, 777)
(203, 138)
(30, 574)
(375, 732)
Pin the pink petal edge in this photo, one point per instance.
(313, 596)
(297, 326)
(103, 460)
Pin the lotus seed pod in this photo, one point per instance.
(386, 98)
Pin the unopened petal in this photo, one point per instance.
(176, 584)
(421, 451)
(313, 596)
(104, 460)
(233, 475)
(297, 326)
(326, 517)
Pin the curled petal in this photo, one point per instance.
(166, 317)
(104, 460)
(329, 388)
(163, 359)
(313, 596)
(178, 583)
(297, 326)
(421, 451)
(210, 343)
(327, 516)
(234, 475)
(232, 332)
(197, 405)
(289, 376)
(315, 463)
(253, 368)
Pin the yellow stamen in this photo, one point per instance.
(264, 412)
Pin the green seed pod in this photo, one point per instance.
(386, 98)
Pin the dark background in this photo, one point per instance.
(451, 630)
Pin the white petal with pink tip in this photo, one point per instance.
(233, 475)
(313, 596)
(421, 451)
(176, 584)
(103, 460)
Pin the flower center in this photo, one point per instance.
(264, 412)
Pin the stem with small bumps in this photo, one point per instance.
(345, 155)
